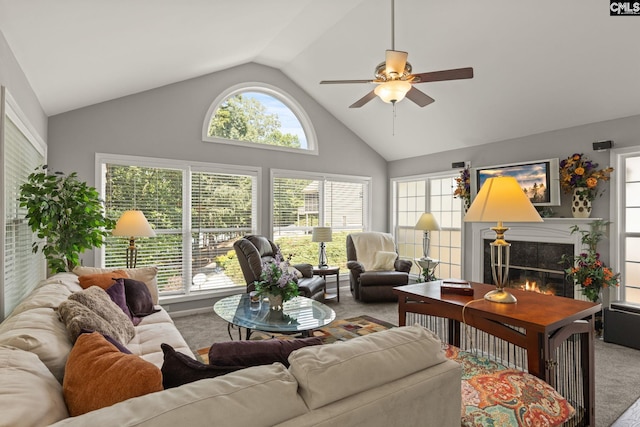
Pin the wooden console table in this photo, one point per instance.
(538, 323)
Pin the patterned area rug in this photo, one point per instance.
(338, 330)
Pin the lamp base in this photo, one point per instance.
(501, 296)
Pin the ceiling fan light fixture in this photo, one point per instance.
(393, 90)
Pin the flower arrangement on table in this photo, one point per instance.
(587, 269)
(577, 171)
(463, 186)
(277, 280)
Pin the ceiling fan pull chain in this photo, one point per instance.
(393, 125)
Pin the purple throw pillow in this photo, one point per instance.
(259, 352)
(117, 294)
(138, 298)
(179, 368)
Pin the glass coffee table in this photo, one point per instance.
(299, 315)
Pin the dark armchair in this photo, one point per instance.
(374, 266)
(253, 250)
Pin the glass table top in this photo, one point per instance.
(298, 314)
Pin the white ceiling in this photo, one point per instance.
(539, 65)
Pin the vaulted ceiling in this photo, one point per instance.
(539, 65)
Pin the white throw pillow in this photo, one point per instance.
(291, 270)
(384, 261)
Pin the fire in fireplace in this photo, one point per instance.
(534, 266)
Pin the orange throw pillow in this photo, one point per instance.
(98, 375)
(104, 280)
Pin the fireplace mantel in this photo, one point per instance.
(552, 230)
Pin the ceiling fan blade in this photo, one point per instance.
(360, 102)
(395, 61)
(438, 76)
(340, 82)
(419, 97)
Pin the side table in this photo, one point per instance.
(324, 272)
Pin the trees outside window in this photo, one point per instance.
(261, 116)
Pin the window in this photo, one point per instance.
(628, 221)
(302, 201)
(261, 116)
(196, 210)
(22, 152)
(415, 195)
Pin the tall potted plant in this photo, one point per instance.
(66, 213)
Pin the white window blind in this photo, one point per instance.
(22, 270)
(196, 214)
(301, 203)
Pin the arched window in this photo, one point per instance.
(261, 116)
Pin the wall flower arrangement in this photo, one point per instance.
(578, 172)
(463, 187)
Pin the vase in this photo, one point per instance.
(466, 203)
(580, 204)
(275, 302)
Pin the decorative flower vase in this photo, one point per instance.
(466, 203)
(275, 302)
(580, 204)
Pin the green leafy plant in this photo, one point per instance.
(66, 213)
(587, 269)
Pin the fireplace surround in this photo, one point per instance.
(553, 231)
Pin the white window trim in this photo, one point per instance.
(281, 95)
(284, 173)
(617, 201)
(185, 165)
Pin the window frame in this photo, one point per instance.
(275, 92)
(617, 208)
(393, 211)
(187, 167)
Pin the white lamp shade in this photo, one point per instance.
(321, 234)
(393, 90)
(502, 199)
(427, 222)
(133, 224)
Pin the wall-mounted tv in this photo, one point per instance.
(540, 179)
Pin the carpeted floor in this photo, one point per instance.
(617, 368)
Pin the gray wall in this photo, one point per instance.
(13, 78)
(562, 143)
(166, 123)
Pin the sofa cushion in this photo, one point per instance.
(179, 369)
(331, 372)
(30, 394)
(99, 375)
(45, 296)
(149, 336)
(269, 391)
(384, 261)
(103, 280)
(117, 295)
(144, 274)
(39, 331)
(92, 309)
(138, 298)
(259, 352)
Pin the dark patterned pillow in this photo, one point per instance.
(178, 368)
(138, 298)
(260, 352)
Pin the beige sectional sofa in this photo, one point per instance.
(395, 377)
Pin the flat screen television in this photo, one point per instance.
(540, 179)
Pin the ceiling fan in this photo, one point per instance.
(395, 80)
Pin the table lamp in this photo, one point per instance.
(133, 224)
(501, 199)
(322, 235)
(427, 222)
